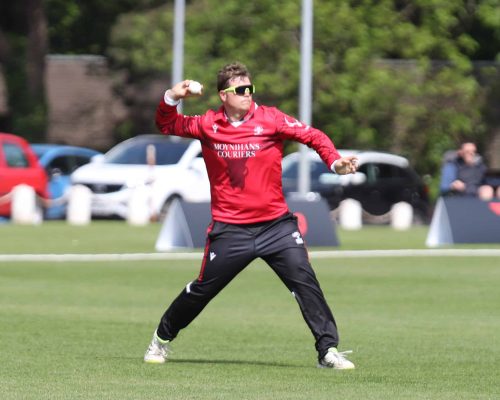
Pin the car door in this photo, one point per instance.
(60, 169)
(377, 193)
(197, 173)
(408, 187)
(316, 170)
(18, 166)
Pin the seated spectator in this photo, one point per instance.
(464, 173)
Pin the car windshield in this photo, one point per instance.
(167, 152)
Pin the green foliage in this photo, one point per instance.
(375, 82)
(29, 118)
(390, 75)
(83, 27)
(142, 42)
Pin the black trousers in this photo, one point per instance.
(230, 248)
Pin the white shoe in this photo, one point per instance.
(334, 359)
(157, 351)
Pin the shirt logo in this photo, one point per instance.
(212, 255)
(293, 124)
(236, 150)
(258, 130)
(215, 127)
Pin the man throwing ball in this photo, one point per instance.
(242, 145)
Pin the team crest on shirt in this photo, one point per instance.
(215, 127)
(258, 130)
(293, 124)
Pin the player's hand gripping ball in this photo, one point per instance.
(195, 87)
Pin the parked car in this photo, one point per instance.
(170, 167)
(382, 180)
(60, 161)
(19, 165)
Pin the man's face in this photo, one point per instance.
(468, 153)
(237, 102)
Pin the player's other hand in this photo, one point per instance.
(346, 165)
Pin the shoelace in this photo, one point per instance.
(165, 349)
(159, 348)
(341, 355)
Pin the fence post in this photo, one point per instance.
(79, 200)
(350, 214)
(401, 216)
(24, 209)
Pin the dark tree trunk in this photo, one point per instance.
(36, 49)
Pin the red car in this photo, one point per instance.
(18, 164)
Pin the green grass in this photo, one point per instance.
(117, 237)
(59, 237)
(420, 328)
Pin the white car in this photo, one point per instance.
(166, 167)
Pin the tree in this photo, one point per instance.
(23, 50)
(391, 75)
(29, 28)
(83, 27)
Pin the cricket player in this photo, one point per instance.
(242, 145)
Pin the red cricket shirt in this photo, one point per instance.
(244, 162)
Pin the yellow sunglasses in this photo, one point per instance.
(240, 90)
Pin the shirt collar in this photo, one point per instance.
(220, 114)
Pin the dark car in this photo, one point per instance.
(19, 165)
(492, 178)
(382, 180)
(59, 162)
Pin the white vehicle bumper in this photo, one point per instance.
(111, 204)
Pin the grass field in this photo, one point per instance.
(420, 327)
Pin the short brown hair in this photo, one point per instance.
(229, 72)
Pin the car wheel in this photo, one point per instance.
(419, 218)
